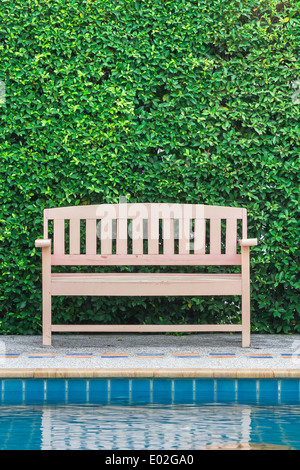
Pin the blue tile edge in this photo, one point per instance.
(148, 390)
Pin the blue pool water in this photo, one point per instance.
(146, 426)
(148, 413)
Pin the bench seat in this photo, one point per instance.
(138, 284)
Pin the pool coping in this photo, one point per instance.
(60, 373)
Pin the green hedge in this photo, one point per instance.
(159, 101)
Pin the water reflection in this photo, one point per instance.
(156, 427)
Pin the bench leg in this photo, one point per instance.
(246, 316)
(46, 262)
(46, 319)
(245, 297)
(245, 323)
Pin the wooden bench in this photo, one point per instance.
(145, 235)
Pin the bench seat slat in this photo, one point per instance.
(146, 260)
(145, 328)
(144, 284)
(149, 275)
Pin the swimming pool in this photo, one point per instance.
(120, 413)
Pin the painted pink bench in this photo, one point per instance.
(145, 235)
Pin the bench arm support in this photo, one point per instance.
(41, 243)
(248, 242)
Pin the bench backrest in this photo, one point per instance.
(145, 234)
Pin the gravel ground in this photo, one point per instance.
(162, 351)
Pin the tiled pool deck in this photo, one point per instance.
(137, 355)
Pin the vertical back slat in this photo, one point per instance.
(59, 237)
(168, 236)
(91, 238)
(45, 228)
(121, 248)
(231, 236)
(137, 236)
(106, 236)
(244, 227)
(199, 236)
(184, 236)
(153, 236)
(74, 236)
(215, 236)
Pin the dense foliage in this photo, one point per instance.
(159, 101)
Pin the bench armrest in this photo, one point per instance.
(248, 242)
(41, 243)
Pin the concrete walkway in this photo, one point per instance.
(152, 351)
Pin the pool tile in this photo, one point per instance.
(183, 391)
(98, 390)
(225, 385)
(259, 356)
(119, 389)
(205, 390)
(222, 355)
(290, 385)
(13, 391)
(140, 390)
(225, 390)
(246, 390)
(78, 355)
(77, 391)
(34, 389)
(290, 356)
(9, 356)
(162, 390)
(268, 391)
(290, 391)
(56, 390)
(150, 355)
(42, 355)
(186, 355)
(113, 355)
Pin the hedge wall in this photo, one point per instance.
(159, 101)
